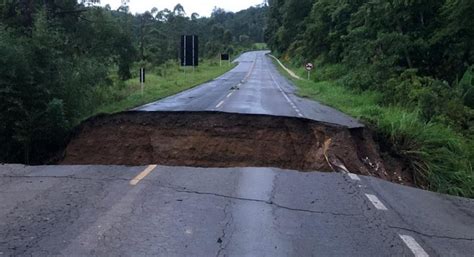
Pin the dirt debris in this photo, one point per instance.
(211, 139)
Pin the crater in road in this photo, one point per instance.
(212, 139)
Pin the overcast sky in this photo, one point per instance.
(202, 7)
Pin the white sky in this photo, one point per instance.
(202, 7)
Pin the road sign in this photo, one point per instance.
(189, 50)
(309, 67)
(225, 57)
(142, 79)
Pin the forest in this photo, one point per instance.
(62, 60)
(408, 62)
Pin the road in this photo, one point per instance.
(255, 86)
(184, 211)
(180, 211)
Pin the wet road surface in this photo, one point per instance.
(254, 86)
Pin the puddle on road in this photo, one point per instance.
(212, 139)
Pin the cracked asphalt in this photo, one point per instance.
(181, 211)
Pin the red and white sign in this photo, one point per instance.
(309, 66)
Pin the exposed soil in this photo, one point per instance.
(209, 139)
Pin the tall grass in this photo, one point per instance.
(439, 157)
(161, 82)
(436, 153)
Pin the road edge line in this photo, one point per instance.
(353, 176)
(292, 104)
(292, 74)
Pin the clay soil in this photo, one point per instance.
(208, 139)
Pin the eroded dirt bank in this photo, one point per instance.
(208, 139)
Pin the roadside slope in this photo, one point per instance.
(435, 156)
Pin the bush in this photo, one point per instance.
(328, 72)
(467, 86)
(437, 155)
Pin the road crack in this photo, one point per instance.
(65, 177)
(268, 202)
(222, 240)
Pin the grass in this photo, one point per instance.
(260, 46)
(438, 156)
(161, 82)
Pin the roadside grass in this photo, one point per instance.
(161, 82)
(260, 46)
(439, 157)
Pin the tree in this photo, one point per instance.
(227, 37)
(58, 59)
(178, 10)
(413, 52)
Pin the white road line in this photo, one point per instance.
(286, 97)
(285, 68)
(353, 176)
(220, 103)
(229, 95)
(376, 202)
(414, 246)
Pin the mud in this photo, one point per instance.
(209, 139)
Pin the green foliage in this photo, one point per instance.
(29, 90)
(63, 60)
(379, 40)
(436, 154)
(439, 157)
(404, 66)
(467, 86)
(158, 32)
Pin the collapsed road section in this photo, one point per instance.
(210, 139)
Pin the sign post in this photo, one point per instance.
(194, 45)
(225, 57)
(189, 52)
(309, 67)
(142, 79)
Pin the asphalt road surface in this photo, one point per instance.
(255, 86)
(182, 211)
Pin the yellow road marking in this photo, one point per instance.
(142, 175)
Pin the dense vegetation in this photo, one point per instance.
(406, 67)
(62, 61)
